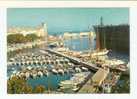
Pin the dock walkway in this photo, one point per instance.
(90, 66)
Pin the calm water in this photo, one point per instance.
(51, 82)
(85, 44)
(82, 44)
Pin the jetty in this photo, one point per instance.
(90, 66)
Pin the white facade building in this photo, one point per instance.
(39, 31)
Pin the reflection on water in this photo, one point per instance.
(51, 82)
(84, 44)
(121, 56)
(80, 44)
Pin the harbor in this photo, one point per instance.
(62, 72)
(34, 66)
(71, 59)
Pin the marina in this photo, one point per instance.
(29, 68)
(76, 58)
(59, 71)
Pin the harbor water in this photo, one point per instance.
(84, 44)
(49, 82)
(52, 80)
(80, 44)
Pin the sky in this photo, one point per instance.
(60, 20)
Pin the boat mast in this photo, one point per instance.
(102, 31)
(98, 35)
(97, 39)
(90, 41)
(81, 46)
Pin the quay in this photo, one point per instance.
(90, 66)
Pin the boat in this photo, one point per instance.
(100, 53)
(14, 72)
(21, 74)
(27, 75)
(77, 69)
(34, 75)
(54, 71)
(29, 67)
(40, 74)
(84, 68)
(45, 73)
(68, 85)
(115, 64)
(61, 71)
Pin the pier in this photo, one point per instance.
(90, 66)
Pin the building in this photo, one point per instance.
(68, 35)
(40, 31)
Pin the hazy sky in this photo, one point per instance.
(66, 19)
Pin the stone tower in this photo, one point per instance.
(43, 33)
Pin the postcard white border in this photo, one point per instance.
(47, 4)
(68, 3)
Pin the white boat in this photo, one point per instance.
(45, 73)
(21, 74)
(40, 74)
(18, 73)
(77, 69)
(34, 75)
(13, 75)
(27, 62)
(14, 72)
(61, 71)
(113, 63)
(62, 49)
(27, 75)
(99, 53)
(84, 68)
(54, 71)
(75, 88)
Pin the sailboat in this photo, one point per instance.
(99, 52)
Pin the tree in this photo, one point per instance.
(20, 38)
(31, 37)
(39, 89)
(27, 89)
(16, 38)
(18, 86)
